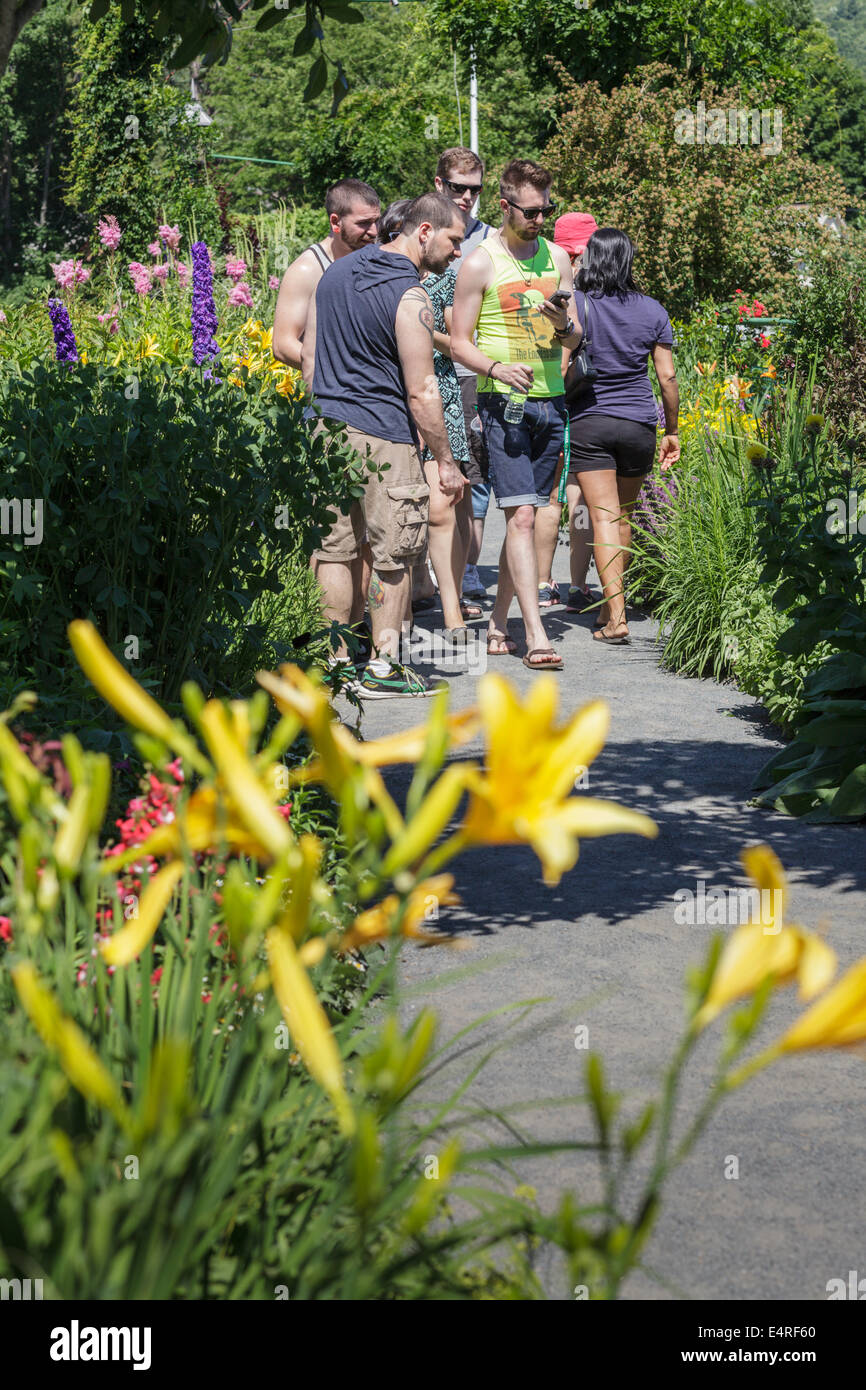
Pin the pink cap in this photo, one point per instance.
(573, 230)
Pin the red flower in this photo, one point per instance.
(5, 930)
(206, 998)
(156, 975)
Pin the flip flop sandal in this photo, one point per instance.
(611, 641)
(502, 638)
(470, 610)
(555, 665)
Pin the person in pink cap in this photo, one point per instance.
(571, 231)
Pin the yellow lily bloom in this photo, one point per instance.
(115, 684)
(132, 938)
(376, 923)
(521, 797)
(252, 803)
(838, 1019)
(308, 1023)
(77, 1057)
(765, 947)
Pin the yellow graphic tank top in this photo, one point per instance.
(510, 328)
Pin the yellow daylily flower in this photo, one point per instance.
(376, 923)
(115, 684)
(521, 797)
(251, 800)
(149, 347)
(132, 938)
(838, 1019)
(767, 946)
(77, 1058)
(308, 1023)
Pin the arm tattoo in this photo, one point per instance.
(425, 316)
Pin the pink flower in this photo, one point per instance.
(155, 248)
(109, 232)
(71, 272)
(235, 269)
(161, 272)
(240, 294)
(170, 235)
(2, 316)
(140, 277)
(5, 930)
(182, 272)
(273, 282)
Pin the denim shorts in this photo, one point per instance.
(523, 457)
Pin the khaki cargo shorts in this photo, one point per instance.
(393, 510)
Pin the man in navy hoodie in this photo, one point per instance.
(368, 359)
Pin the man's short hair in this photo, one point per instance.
(521, 171)
(434, 208)
(458, 160)
(340, 196)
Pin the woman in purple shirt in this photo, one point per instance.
(613, 423)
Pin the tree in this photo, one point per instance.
(133, 153)
(14, 15)
(706, 218)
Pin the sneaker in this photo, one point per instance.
(548, 595)
(347, 677)
(579, 600)
(364, 637)
(472, 585)
(400, 680)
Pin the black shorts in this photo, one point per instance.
(606, 441)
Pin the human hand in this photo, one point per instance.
(451, 480)
(515, 375)
(669, 451)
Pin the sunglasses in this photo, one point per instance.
(532, 213)
(459, 188)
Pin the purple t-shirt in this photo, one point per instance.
(620, 333)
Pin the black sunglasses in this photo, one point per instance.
(459, 188)
(531, 213)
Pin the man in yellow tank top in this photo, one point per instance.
(503, 293)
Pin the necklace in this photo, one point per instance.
(527, 279)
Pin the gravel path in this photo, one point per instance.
(604, 950)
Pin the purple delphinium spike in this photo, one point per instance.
(204, 319)
(64, 338)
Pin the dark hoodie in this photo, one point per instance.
(357, 377)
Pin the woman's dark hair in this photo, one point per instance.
(606, 264)
(391, 221)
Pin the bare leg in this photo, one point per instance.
(629, 488)
(362, 569)
(518, 573)
(580, 535)
(462, 537)
(444, 546)
(547, 532)
(602, 496)
(390, 594)
(335, 578)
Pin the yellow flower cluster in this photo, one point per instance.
(252, 349)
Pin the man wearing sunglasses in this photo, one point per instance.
(503, 295)
(460, 176)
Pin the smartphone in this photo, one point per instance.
(560, 297)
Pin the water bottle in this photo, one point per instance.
(514, 407)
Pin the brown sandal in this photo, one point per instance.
(555, 665)
(503, 639)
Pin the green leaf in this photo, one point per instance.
(850, 799)
(317, 79)
(835, 731)
(269, 19)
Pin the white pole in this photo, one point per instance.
(473, 103)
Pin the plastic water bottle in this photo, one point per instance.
(514, 407)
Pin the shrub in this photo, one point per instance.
(705, 218)
(171, 507)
